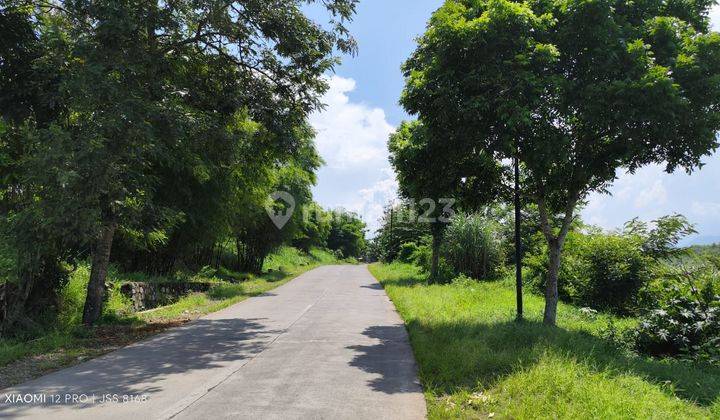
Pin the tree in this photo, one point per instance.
(139, 84)
(314, 228)
(440, 184)
(257, 234)
(576, 90)
(429, 185)
(398, 225)
(30, 92)
(347, 234)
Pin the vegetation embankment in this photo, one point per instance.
(66, 342)
(476, 361)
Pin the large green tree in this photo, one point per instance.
(438, 178)
(145, 90)
(575, 89)
(347, 233)
(255, 232)
(313, 228)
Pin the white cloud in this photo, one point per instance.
(371, 201)
(350, 135)
(705, 209)
(628, 194)
(651, 193)
(352, 139)
(715, 17)
(655, 195)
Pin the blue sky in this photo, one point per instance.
(362, 110)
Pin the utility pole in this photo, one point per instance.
(518, 240)
(392, 233)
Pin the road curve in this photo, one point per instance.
(328, 344)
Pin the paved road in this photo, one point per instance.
(329, 344)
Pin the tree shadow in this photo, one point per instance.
(373, 286)
(391, 359)
(463, 354)
(404, 282)
(142, 368)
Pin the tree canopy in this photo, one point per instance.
(152, 125)
(575, 89)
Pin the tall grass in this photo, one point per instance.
(474, 246)
(475, 361)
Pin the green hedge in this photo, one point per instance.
(598, 270)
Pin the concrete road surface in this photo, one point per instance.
(329, 344)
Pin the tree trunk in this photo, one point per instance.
(237, 253)
(551, 283)
(98, 275)
(14, 302)
(435, 260)
(555, 247)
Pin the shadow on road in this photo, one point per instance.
(141, 368)
(391, 359)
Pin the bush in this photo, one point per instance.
(474, 246)
(407, 252)
(226, 291)
(683, 313)
(423, 257)
(598, 270)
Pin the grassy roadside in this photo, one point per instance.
(475, 361)
(69, 344)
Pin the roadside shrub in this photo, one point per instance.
(683, 313)
(445, 274)
(473, 246)
(598, 270)
(464, 281)
(407, 252)
(423, 257)
(72, 297)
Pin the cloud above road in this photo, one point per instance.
(352, 139)
(350, 135)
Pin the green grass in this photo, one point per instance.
(285, 265)
(476, 361)
(67, 341)
(11, 350)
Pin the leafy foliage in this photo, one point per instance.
(575, 90)
(148, 126)
(454, 175)
(314, 228)
(661, 241)
(347, 234)
(599, 270)
(399, 225)
(683, 313)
